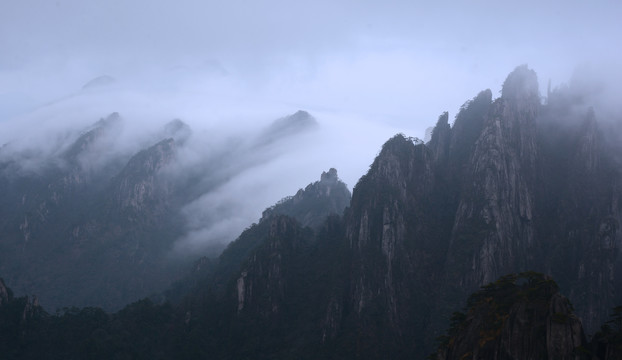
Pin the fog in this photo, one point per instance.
(365, 70)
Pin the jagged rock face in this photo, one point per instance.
(500, 202)
(318, 200)
(510, 320)
(499, 192)
(441, 138)
(466, 130)
(390, 233)
(262, 285)
(538, 192)
(495, 194)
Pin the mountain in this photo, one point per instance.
(517, 317)
(78, 218)
(286, 126)
(513, 186)
(95, 222)
(524, 316)
(307, 212)
(311, 205)
(498, 192)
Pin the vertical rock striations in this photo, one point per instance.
(493, 232)
(391, 232)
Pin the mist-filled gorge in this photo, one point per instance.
(330, 180)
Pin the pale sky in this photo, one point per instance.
(401, 61)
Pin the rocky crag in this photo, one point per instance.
(517, 317)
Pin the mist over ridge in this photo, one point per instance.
(519, 182)
(223, 123)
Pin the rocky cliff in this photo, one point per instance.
(311, 205)
(498, 192)
(517, 317)
(500, 202)
(390, 228)
(532, 184)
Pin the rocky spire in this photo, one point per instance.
(499, 200)
(330, 176)
(441, 136)
(311, 205)
(521, 86)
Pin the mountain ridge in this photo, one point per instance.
(498, 193)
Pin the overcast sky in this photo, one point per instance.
(403, 62)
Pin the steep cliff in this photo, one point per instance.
(393, 235)
(493, 233)
(537, 191)
(510, 187)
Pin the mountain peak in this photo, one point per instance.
(301, 114)
(311, 205)
(330, 176)
(109, 121)
(441, 135)
(178, 130)
(100, 81)
(297, 121)
(443, 119)
(287, 126)
(93, 134)
(521, 84)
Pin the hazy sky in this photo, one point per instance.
(402, 62)
(365, 69)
